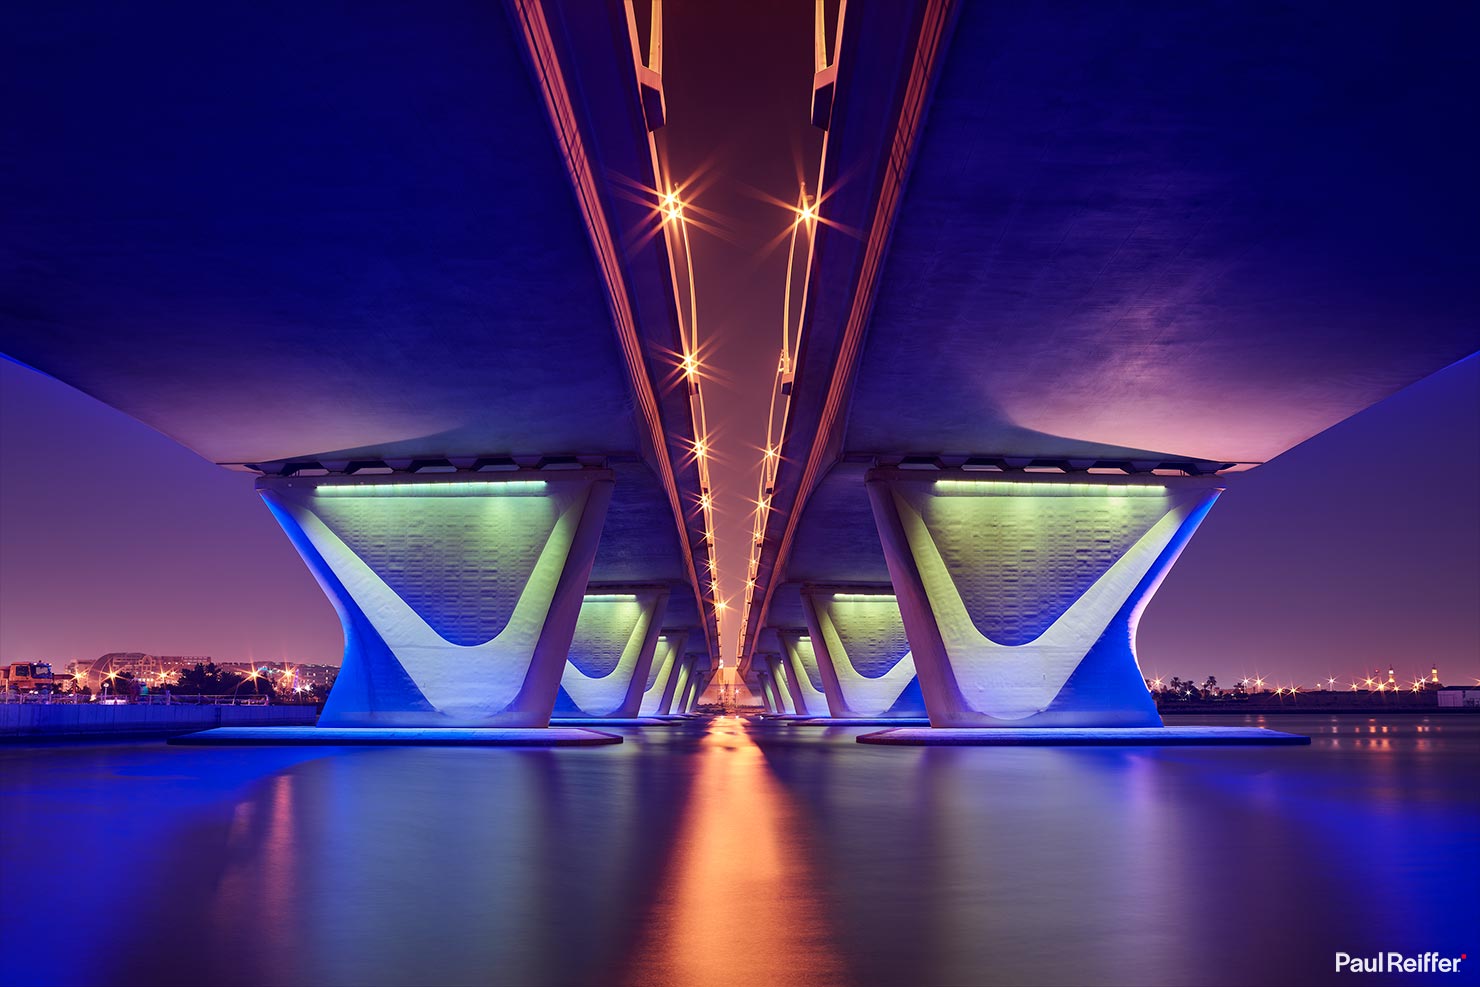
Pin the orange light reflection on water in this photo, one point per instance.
(741, 902)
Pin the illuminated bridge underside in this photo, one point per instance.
(249, 241)
(458, 599)
(358, 238)
(1021, 599)
(770, 683)
(662, 679)
(1100, 237)
(612, 651)
(695, 683)
(862, 654)
(803, 675)
(781, 692)
(682, 682)
(1169, 231)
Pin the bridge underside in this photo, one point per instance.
(309, 233)
(1114, 248)
(1204, 233)
(373, 246)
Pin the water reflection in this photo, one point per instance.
(1139, 865)
(739, 852)
(355, 866)
(742, 905)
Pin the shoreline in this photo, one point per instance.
(1221, 709)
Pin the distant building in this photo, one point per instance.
(1459, 695)
(143, 668)
(287, 676)
(162, 671)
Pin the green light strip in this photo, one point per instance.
(866, 597)
(480, 488)
(610, 598)
(1028, 489)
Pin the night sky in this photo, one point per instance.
(1357, 549)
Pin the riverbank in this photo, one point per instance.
(47, 721)
(1293, 709)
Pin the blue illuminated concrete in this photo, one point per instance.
(1158, 228)
(347, 318)
(784, 698)
(860, 651)
(1021, 597)
(657, 700)
(860, 721)
(770, 698)
(607, 721)
(699, 677)
(803, 673)
(679, 685)
(458, 598)
(1073, 737)
(609, 667)
(397, 737)
(695, 677)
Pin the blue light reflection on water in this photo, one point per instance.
(151, 864)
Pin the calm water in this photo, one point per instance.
(727, 853)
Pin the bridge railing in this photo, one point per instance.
(153, 699)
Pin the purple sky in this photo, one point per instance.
(1356, 549)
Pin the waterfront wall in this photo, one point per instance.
(1322, 701)
(140, 719)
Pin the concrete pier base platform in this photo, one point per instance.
(396, 737)
(1082, 737)
(860, 721)
(597, 722)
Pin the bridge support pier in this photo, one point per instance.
(861, 652)
(697, 682)
(803, 674)
(785, 700)
(657, 699)
(767, 689)
(611, 653)
(458, 597)
(682, 676)
(1020, 597)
